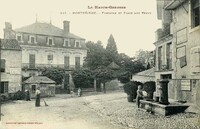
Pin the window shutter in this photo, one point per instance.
(195, 60)
(47, 40)
(77, 62)
(6, 87)
(28, 38)
(3, 63)
(66, 62)
(31, 61)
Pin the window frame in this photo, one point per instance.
(79, 44)
(30, 41)
(19, 35)
(48, 39)
(50, 58)
(5, 87)
(193, 23)
(68, 43)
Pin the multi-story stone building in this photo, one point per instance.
(178, 48)
(45, 45)
(11, 57)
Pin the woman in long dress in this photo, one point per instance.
(37, 95)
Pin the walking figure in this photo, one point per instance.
(37, 95)
(79, 92)
(139, 95)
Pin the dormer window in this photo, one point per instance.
(19, 37)
(50, 41)
(66, 43)
(32, 39)
(77, 44)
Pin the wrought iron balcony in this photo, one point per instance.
(41, 66)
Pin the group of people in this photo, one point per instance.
(37, 96)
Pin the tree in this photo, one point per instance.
(104, 74)
(129, 64)
(82, 78)
(55, 74)
(96, 55)
(145, 57)
(111, 48)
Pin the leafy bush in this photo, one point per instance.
(149, 87)
(131, 88)
(82, 78)
(55, 74)
(124, 78)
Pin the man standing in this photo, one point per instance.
(28, 95)
(37, 95)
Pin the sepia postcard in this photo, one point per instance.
(100, 64)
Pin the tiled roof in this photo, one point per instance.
(144, 76)
(10, 44)
(113, 65)
(39, 79)
(46, 29)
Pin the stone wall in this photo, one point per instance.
(12, 72)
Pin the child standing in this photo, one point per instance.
(139, 95)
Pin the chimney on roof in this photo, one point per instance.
(8, 25)
(66, 26)
(8, 32)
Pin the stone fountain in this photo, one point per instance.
(163, 107)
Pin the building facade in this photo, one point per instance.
(10, 67)
(45, 45)
(178, 48)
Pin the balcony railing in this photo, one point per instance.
(40, 66)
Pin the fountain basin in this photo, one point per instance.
(157, 108)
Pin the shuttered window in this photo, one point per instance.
(195, 60)
(3, 65)
(77, 62)
(31, 61)
(169, 55)
(66, 62)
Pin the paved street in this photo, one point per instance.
(103, 111)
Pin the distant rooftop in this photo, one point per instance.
(39, 79)
(144, 76)
(10, 44)
(46, 29)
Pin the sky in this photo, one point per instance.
(131, 29)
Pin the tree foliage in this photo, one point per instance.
(82, 78)
(96, 55)
(55, 74)
(145, 57)
(111, 50)
(111, 45)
